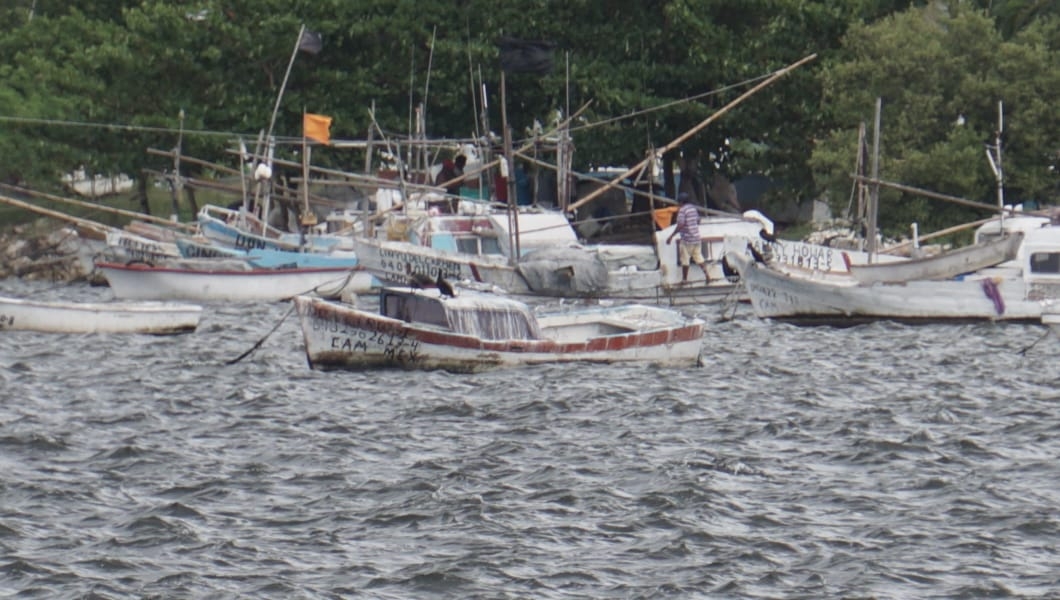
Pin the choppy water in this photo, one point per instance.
(879, 461)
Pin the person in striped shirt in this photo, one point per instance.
(690, 248)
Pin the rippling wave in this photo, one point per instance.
(877, 461)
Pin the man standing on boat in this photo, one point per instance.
(690, 248)
(452, 177)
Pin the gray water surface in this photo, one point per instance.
(878, 461)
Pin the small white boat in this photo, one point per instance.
(425, 329)
(98, 185)
(942, 266)
(98, 317)
(220, 280)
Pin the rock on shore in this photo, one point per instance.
(41, 250)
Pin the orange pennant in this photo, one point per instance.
(317, 127)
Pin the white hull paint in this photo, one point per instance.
(395, 261)
(122, 245)
(637, 273)
(993, 295)
(942, 266)
(98, 317)
(147, 282)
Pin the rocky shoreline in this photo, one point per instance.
(45, 251)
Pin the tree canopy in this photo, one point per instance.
(96, 84)
(941, 77)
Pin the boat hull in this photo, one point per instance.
(395, 261)
(160, 318)
(339, 336)
(151, 282)
(1004, 296)
(271, 259)
(943, 266)
(1052, 319)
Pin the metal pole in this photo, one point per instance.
(283, 86)
(178, 185)
(874, 200)
(513, 217)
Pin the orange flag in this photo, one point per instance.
(664, 217)
(317, 127)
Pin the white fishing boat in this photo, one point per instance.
(98, 317)
(268, 258)
(945, 265)
(98, 185)
(538, 253)
(470, 331)
(221, 280)
(126, 246)
(1017, 290)
(238, 229)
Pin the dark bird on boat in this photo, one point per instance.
(420, 280)
(730, 273)
(444, 286)
(765, 235)
(755, 254)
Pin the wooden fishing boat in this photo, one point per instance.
(267, 258)
(1018, 290)
(941, 266)
(221, 280)
(126, 246)
(240, 230)
(98, 317)
(546, 258)
(466, 332)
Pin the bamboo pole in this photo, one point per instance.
(195, 161)
(99, 227)
(527, 146)
(97, 207)
(509, 180)
(634, 191)
(683, 137)
(874, 197)
(938, 196)
(938, 233)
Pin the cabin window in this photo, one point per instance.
(490, 245)
(467, 245)
(1045, 262)
(414, 309)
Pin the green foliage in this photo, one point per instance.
(100, 83)
(941, 77)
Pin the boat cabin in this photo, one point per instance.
(482, 316)
(992, 230)
(479, 235)
(1041, 247)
